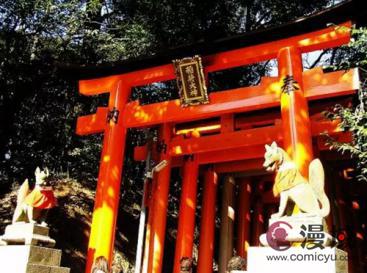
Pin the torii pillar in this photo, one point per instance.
(160, 204)
(294, 109)
(207, 225)
(244, 217)
(227, 216)
(102, 234)
(186, 220)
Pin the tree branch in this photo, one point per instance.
(318, 59)
(258, 22)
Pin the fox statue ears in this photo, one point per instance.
(273, 146)
(38, 171)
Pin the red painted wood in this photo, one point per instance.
(239, 166)
(223, 141)
(186, 219)
(207, 225)
(92, 124)
(324, 38)
(245, 99)
(141, 153)
(243, 216)
(102, 234)
(297, 140)
(159, 207)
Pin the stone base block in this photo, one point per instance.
(297, 259)
(30, 259)
(31, 254)
(35, 268)
(28, 234)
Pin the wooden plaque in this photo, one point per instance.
(191, 81)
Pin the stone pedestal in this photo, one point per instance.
(30, 259)
(297, 259)
(28, 234)
(22, 250)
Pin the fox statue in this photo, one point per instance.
(290, 184)
(32, 206)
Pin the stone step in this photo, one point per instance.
(36, 268)
(23, 254)
(29, 234)
(27, 228)
(45, 256)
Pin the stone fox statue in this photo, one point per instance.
(290, 184)
(32, 206)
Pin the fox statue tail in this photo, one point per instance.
(317, 182)
(23, 192)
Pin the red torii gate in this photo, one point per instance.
(294, 130)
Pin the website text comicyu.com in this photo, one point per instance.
(311, 257)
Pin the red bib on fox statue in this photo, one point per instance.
(41, 198)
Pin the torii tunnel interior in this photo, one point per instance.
(217, 149)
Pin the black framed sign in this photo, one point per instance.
(191, 81)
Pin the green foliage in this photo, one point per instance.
(354, 118)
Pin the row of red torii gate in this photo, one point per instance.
(227, 135)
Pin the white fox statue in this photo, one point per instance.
(290, 184)
(32, 206)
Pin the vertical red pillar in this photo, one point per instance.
(226, 224)
(243, 216)
(102, 234)
(207, 225)
(294, 109)
(258, 223)
(186, 220)
(160, 203)
(258, 227)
